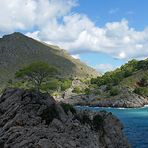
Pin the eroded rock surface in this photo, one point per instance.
(33, 120)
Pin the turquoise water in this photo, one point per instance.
(135, 123)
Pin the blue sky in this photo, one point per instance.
(102, 11)
(102, 33)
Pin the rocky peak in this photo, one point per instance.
(15, 35)
(32, 119)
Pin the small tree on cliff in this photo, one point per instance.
(36, 73)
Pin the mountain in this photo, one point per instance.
(18, 50)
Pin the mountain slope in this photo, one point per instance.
(18, 50)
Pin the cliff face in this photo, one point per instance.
(33, 120)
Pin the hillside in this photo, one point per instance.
(18, 50)
(126, 86)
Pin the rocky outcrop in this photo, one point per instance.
(130, 100)
(126, 99)
(34, 120)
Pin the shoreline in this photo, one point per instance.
(145, 106)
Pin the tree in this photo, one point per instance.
(36, 73)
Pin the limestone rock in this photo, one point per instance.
(33, 120)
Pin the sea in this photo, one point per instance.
(135, 121)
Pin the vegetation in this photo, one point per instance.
(133, 74)
(98, 122)
(114, 91)
(52, 84)
(78, 90)
(142, 88)
(116, 76)
(49, 114)
(65, 84)
(144, 81)
(84, 119)
(17, 54)
(67, 108)
(141, 91)
(36, 73)
(87, 91)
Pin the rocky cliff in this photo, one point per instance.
(34, 120)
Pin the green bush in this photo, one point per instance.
(141, 91)
(65, 84)
(53, 84)
(68, 107)
(77, 90)
(114, 91)
(116, 76)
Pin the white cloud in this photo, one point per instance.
(54, 22)
(104, 67)
(76, 56)
(27, 14)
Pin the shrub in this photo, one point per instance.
(84, 119)
(50, 85)
(87, 91)
(66, 84)
(141, 91)
(68, 107)
(114, 91)
(77, 90)
(98, 122)
(143, 82)
(49, 114)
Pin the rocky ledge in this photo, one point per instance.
(33, 120)
(125, 99)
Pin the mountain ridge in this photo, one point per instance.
(18, 50)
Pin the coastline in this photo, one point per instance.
(145, 106)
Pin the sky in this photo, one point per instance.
(102, 33)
